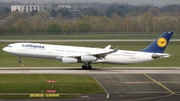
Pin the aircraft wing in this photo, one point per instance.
(97, 54)
(105, 53)
(107, 47)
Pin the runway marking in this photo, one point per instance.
(135, 82)
(159, 84)
(169, 82)
(149, 92)
(173, 82)
(150, 98)
(177, 94)
(102, 88)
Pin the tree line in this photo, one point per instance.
(115, 19)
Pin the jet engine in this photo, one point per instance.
(88, 58)
(69, 60)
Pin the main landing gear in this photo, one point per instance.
(19, 60)
(86, 66)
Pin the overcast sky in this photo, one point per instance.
(133, 2)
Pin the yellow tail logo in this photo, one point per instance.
(161, 42)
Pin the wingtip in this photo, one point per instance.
(108, 47)
(116, 49)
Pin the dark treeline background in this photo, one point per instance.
(109, 19)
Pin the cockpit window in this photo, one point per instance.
(9, 46)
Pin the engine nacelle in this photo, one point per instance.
(88, 58)
(69, 60)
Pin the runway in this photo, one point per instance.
(78, 70)
(122, 84)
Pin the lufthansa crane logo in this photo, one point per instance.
(161, 42)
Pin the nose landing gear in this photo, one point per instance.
(19, 60)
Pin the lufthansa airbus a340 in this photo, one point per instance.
(87, 56)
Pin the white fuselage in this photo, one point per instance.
(59, 51)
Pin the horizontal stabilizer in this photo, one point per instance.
(156, 56)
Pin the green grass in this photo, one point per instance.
(8, 60)
(27, 97)
(14, 96)
(98, 36)
(35, 83)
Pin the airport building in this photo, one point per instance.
(64, 6)
(26, 8)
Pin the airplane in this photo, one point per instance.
(88, 56)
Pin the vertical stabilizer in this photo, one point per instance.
(159, 45)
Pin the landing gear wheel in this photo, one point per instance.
(19, 61)
(89, 68)
(86, 67)
(83, 67)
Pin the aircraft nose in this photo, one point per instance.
(5, 49)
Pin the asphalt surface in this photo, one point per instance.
(136, 87)
(121, 84)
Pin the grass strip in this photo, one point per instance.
(36, 83)
(21, 85)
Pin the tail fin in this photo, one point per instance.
(159, 45)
